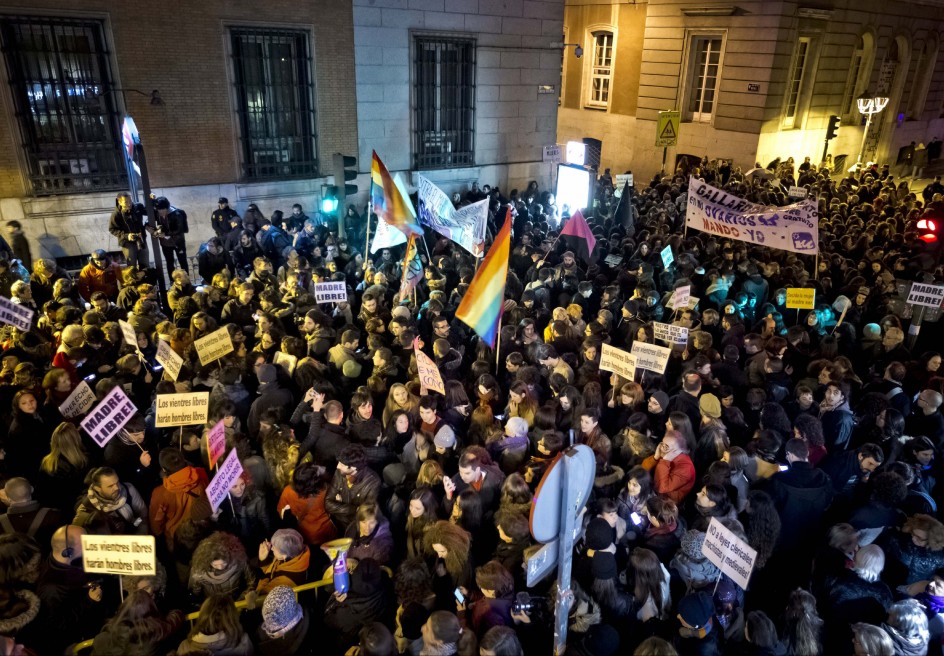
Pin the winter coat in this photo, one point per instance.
(696, 573)
(146, 638)
(368, 600)
(97, 522)
(232, 582)
(314, 523)
(486, 613)
(93, 279)
(853, 599)
(906, 563)
(181, 498)
(270, 396)
(295, 640)
(489, 493)
(801, 495)
(672, 478)
(377, 546)
(345, 495)
(291, 572)
(325, 440)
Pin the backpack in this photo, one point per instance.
(8, 528)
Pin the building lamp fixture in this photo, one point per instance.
(869, 105)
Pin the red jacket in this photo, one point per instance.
(675, 478)
(107, 280)
(182, 497)
(314, 522)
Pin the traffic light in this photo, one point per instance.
(344, 170)
(929, 229)
(833, 128)
(329, 199)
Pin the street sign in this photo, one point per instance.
(667, 128)
(552, 154)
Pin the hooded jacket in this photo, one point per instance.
(182, 497)
(801, 495)
(314, 523)
(107, 280)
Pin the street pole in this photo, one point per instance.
(564, 558)
(865, 135)
(152, 221)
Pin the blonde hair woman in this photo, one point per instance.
(400, 398)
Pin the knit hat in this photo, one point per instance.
(602, 640)
(445, 438)
(726, 592)
(603, 566)
(864, 291)
(400, 312)
(516, 427)
(691, 544)
(267, 373)
(280, 611)
(632, 307)
(599, 534)
(351, 369)
(661, 398)
(172, 460)
(710, 406)
(696, 609)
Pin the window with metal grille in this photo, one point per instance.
(444, 102)
(275, 103)
(68, 118)
(795, 83)
(704, 74)
(601, 70)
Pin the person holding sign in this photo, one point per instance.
(129, 455)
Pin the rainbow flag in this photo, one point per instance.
(390, 202)
(481, 307)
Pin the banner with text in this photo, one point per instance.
(226, 475)
(926, 295)
(729, 553)
(109, 416)
(800, 298)
(79, 402)
(168, 358)
(134, 555)
(214, 346)
(651, 356)
(618, 361)
(791, 227)
(331, 292)
(670, 333)
(286, 361)
(429, 375)
(131, 337)
(15, 314)
(181, 409)
(465, 226)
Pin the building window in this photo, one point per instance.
(795, 83)
(601, 70)
(860, 69)
(704, 73)
(67, 114)
(274, 103)
(444, 97)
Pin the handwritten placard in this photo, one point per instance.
(801, 298)
(286, 361)
(651, 356)
(226, 475)
(667, 332)
(216, 442)
(429, 375)
(168, 358)
(729, 553)
(79, 402)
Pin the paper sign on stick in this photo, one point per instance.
(15, 314)
(429, 375)
(109, 416)
(680, 296)
(800, 298)
(618, 361)
(926, 295)
(670, 333)
(651, 357)
(181, 409)
(226, 475)
(214, 346)
(667, 256)
(131, 337)
(216, 442)
(79, 402)
(168, 358)
(729, 553)
(133, 555)
(331, 292)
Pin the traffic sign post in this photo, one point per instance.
(667, 130)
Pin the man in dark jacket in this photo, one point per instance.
(271, 395)
(220, 219)
(170, 230)
(354, 483)
(213, 259)
(687, 399)
(26, 516)
(484, 479)
(326, 436)
(846, 469)
(127, 226)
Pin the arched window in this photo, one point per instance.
(860, 70)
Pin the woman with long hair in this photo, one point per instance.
(448, 546)
(679, 421)
(29, 435)
(138, 628)
(62, 471)
(305, 500)
(220, 566)
(650, 585)
(665, 530)
(631, 501)
(802, 632)
(488, 393)
(217, 630)
(399, 430)
(711, 501)
(570, 402)
(400, 398)
(761, 525)
(422, 514)
(516, 495)
(521, 402)
(58, 387)
(247, 514)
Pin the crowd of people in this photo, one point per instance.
(814, 436)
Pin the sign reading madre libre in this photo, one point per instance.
(109, 416)
(214, 346)
(15, 314)
(618, 361)
(181, 409)
(926, 295)
(331, 292)
(800, 298)
(119, 554)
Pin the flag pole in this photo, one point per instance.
(498, 342)
(411, 243)
(370, 210)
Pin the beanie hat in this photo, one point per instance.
(445, 438)
(599, 534)
(351, 369)
(691, 544)
(172, 460)
(280, 611)
(696, 609)
(661, 398)
(726, 592)
(602, 640)
(604, 566)
(400, 312)
(710, 406)
(267, 373)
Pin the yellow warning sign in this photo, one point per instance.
(667, 128)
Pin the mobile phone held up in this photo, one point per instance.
(459, 596)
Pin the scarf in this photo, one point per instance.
(933, 605)
(108, 505)
(445, 649)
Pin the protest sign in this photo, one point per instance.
(331, 292)
(465, 226)
(214, 346)
(797, 192)
(226, 475)
(286, 361)
(667, 257)
(168, 358)
(672, 334)
(729, 553)
(429, 375)
(127, 330)
(618, 361)
(109, 416)
(693, 302)
(15, 314)
(613, 260)
(791, 227)
(119, 554)
(79, 402)
(800, 298)
(651, 357)
(926, 295)
(680, 296)
(181, 409)
(216, 442)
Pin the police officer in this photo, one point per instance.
(220, 217)
(127, 225)
(170, 230)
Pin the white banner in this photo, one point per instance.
(181, 409)
(651, 356)
(386, 236)
(168, 358)
(618, 361)
(465, 226)
(926, 295)
(791, 228)
(729, 553)
(331, 292)
(669, 333)
(133, 555)
(109, 416)
(79, 402)
(226, 475)
(429, 375)
(15, 314)
(214, 346)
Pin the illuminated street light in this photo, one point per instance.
(868, 105)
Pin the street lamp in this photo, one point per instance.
(869, 105)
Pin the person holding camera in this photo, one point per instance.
(128, 227)
(170, 228)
